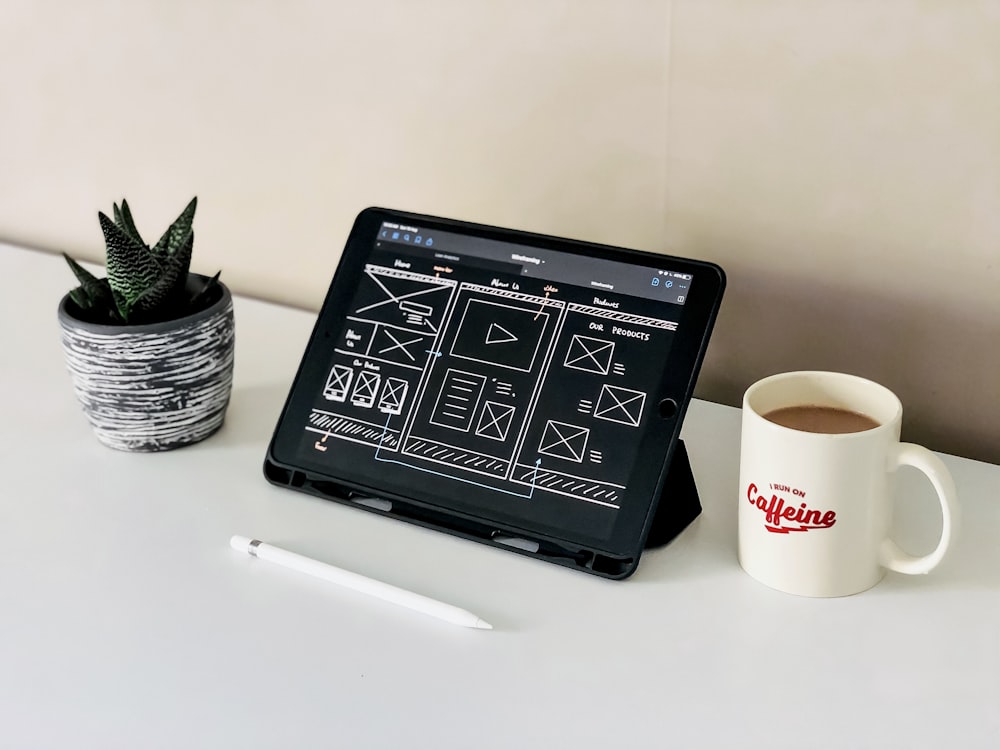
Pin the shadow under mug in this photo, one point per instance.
(815, 508)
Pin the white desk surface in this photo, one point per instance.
(126, 621)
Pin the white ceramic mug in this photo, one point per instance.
(815, 508)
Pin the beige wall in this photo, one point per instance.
(841, 160)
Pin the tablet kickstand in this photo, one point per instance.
(679, 504)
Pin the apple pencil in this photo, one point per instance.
(358, 582)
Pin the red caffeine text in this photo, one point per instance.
(781, 517)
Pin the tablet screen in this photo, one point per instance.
(499, 378)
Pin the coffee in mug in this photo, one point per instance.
(825, 419)
(818, 455)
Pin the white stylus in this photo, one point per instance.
(358, 582)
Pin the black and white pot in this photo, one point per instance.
(153, 387)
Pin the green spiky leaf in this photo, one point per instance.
(81, 298)
(123, 218)
(201, 296)
(175, 236)
(132, 269)
(97, 302)
(169, 286)
(92, 292)
(85, 277)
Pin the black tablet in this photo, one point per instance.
(509, 387)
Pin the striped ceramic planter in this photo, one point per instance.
(153, 387)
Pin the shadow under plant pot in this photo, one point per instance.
(153, 387)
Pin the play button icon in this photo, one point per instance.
(500, 334)
(497, 334)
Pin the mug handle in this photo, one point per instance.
(890, 555)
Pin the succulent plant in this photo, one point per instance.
(144, 284)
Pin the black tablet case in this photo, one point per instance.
(677, 506)
(673, 510)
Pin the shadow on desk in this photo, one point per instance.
(973, 563)
(973, 560)
(252, 415)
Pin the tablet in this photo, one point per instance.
(513, 388)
